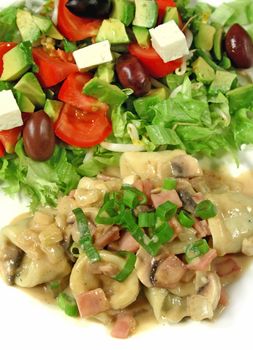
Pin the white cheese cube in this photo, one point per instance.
(10, 114)
(93, 55)
(169, 41)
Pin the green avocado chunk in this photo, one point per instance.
(25, 105)
(30, 87)
(105, 92)
(114, 31)
(28, 28)
(204, 72)
(43, 23)
(205, 37)
(17, 61)
(222, 82)
(123, 10)
(142, 36)
(53, 108)
(146, 13)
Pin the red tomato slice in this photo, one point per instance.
(82, 129)
(9, 138)
(153, 62)
(52, 70)
(71, 93)
(162, 4)
(4, 47)
(75, 28)
(2, 151)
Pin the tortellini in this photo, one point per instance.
(120, 294)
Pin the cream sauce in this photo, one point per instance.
(218, 179)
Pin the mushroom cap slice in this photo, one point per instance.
(119, 294)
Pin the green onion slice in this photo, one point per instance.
(111, 211)
(85, 236)
(161, 235)
(128, 267)
(185, 219)
(205, 209)
(166, 210)
(196, 249)
(133, 197)
(169, 183)
(147, 219)
(67, 304)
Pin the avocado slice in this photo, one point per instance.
(123, 10)
(5, 85)
(171, 13)
(43, 23)
(241, 97)
(142, 36)
(203, 71)
(105, 72)
(25, 105)
(30, 87)
(146, 13)
(114, 31)
(53, 108)
(28, 28)
(105, 92)
(17, 61)
(217, 43)
(205, 37)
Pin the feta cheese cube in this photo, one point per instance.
(169, 41)
(93, 55)
(10, 114)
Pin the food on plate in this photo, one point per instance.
(163, 237)
(83, 81)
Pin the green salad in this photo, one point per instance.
(81, 82)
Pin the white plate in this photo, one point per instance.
(29, 324)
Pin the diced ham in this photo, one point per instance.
(177, 228)
(108, 236)
(169, 272)
(92, 303)
(202, 228)
(126, 242)
(202, 263)
(124, 325)
(225, 266)
(145, 186)
(164, 196)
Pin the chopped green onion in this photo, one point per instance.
(196, 249)
(161, 236)
(205, 209)
(85, 236)
(75, 249)
(54, 285)
(169, 183)
(67, 304)
(130, 224)
(146, 219)
(111, 211)
(166, 210)
(185, 219)
(133, 197)
(128, 267)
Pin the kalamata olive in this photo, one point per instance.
(239, 46)
(90, 8)
(131, 74)
(38, 136)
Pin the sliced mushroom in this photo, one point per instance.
(10, 259)
(185, 166)
(163, 271)
(186, 193)
(203, 304)
(86, 276)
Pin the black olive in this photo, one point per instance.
(90, 8)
